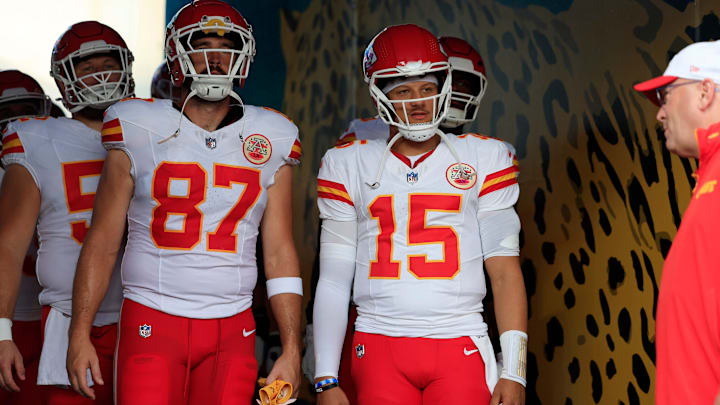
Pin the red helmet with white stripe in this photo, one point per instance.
(407, 52)
(21, 97)
(81, 40)
(469, 81)
(209, 18)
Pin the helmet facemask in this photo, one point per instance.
(22, 105)
(417, 132)
(209, 85)
(464, 106)
(110, 85)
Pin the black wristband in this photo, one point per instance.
(325, 387)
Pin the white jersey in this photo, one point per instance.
(375, 128)
(64, 158)
(198, 201)
(419, 264)
(27, 307)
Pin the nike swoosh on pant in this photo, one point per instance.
(469, 352)
(248, 333)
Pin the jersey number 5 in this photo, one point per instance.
(76, 200)
(224, 239)
(418, 233)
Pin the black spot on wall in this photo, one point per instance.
(574, 175)
(640, 372)
(521, 86)
(591, 325)
(574, 370)
(545, 157)
(586, 225)
(577, 269)
(565, 34)
(532, 376)
(498, 110)
(569, 298)
(624, 324)
(651, 275)
(548, 251)
(555, 337)
(708, 30)
(604, 306)
(518, 31)
(618, 111)
(665, 245)
(496, 72)
(558, 281)
(678, 4)
(610, 342)
(597, 389)
(610, 370)
(572, 133)
(600, 116)
(523, 131)
(639, 205)
(446, 10)
(533, 54)
(604, 222)
(488, 16)
(555, 93)
(545, 47)
(529, 274)
(565, 212)
(648, 32)
(540, 210)
(637, 267)
(594, 192)
(616, 273)
(633, 398)
(508, 41)
(593, 148)
(648, 345)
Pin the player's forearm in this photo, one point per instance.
(509, 293)
(10, 273)
(92, 278)
(287, 312)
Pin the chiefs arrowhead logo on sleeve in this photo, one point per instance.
(500, 179)
(257, 149)
(112, 131)
(11, 144)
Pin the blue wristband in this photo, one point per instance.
(325, 382)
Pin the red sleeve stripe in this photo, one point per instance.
(334, 191)
(501, 173)
(10, 138)
(11, 144)
(112, 131)
(346, 138)
(498, 186)
(296, 150)
(7, 151)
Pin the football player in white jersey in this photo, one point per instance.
(22, 97)
(408, 225)
(194, 188)
(52, 169)
(469, 83)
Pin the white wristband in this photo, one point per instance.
(5, 329)
(284, 285)
(514, 351)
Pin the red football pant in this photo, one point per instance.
(183, 360)
(27, 338)
(348, 352)
(417, 371)
(103, 339)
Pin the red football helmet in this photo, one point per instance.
(203, 18)
(86, 39)
(407, 51)
(467, 66)
(21, 97)
(161, 85)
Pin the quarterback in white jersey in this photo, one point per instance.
(411, 222)
(196, 183)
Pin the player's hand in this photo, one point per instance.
(287, 368)
(508, 392)
(10, 358)
(81, 356)
(333, 396)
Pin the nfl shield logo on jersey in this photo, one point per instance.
(360, 351)
(211, 143)
(145, 331)
(412, 177)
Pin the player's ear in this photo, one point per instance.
(708, 94)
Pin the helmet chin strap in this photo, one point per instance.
(374, 185)
(194, 92)
(212, 89)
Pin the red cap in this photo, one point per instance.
(648, 87)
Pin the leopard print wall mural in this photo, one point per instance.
(601, 199)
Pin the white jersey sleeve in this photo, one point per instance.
(334, 201)
(499, 188)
